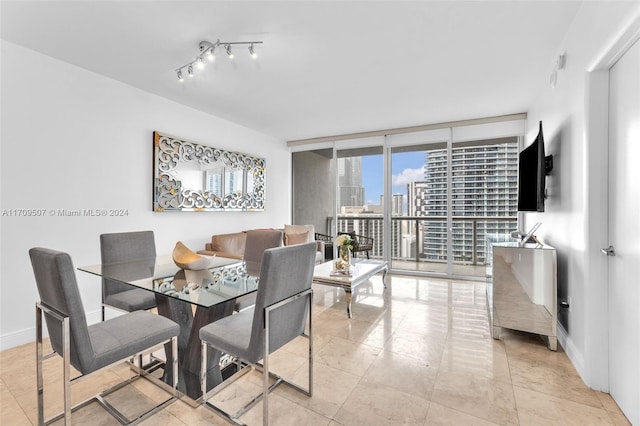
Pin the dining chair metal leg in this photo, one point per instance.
(263, 367)
(66, 365)
(64, 323)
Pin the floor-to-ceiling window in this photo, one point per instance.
(360, 194)
(419, 217)
(484, 192)
(429, 199)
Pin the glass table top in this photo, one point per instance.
(224, 280)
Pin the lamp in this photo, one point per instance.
(207, 50)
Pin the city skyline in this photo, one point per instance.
(405, 167)
(479, 182)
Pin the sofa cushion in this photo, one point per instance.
(226, 245)
(229, 243)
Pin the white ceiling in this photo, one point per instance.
(325, 68)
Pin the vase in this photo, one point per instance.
(343, 263)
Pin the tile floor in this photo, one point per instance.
(417, 353)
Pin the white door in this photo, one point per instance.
(624, 233)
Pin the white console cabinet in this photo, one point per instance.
(522, 290)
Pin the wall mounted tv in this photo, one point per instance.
(533, 167)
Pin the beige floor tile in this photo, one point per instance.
(331, 388)
(19, 358)
(424, 348)
(190, 416)
(91, 415)
(283, 412)
(402, 372)
(554, 377)
(131, 402)
(164, 418)
(345, 355)
(478, 356)
(608, 403)
(371, 334)
(330, 323)
(287, 364)
(469, 295)
(469, 322)
(11, 412)
(427, 319)
(53, 396)
(619, 419)
(476, 395)
(382, 405)
(439, 415)
(535, 408)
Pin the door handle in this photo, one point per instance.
(609, 251)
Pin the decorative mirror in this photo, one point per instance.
(191, 177)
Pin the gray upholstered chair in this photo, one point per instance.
(258, 240)
(282, 309)
(89, 348)
(123, 247)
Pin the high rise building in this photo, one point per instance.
(350, 181)
(484, 186)
(397, 208)
(483, 197)
(417, 198)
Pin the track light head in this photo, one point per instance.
(252, 51)
(190, 70)
(200, 63)
(227, 47)
(179, 74)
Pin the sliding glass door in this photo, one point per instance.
(484, 191)
(429, 199)
(419, 214)
(360, 195)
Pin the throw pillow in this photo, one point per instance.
(291, 239)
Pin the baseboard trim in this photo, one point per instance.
(28, 335)
(574, 355)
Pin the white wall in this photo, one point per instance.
(73, 139)
(573, 222)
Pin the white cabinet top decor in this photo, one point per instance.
(191, 177)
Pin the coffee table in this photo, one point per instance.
(361, 271)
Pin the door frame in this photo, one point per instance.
(594, 361)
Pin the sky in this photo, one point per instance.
(406, 167)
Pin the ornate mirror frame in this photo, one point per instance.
(219, 180)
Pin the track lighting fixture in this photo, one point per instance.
(207, 50)
(210, 56)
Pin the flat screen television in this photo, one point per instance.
(533, 167)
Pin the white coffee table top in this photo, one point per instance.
(361, 271)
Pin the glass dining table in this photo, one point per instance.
(192, 299)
